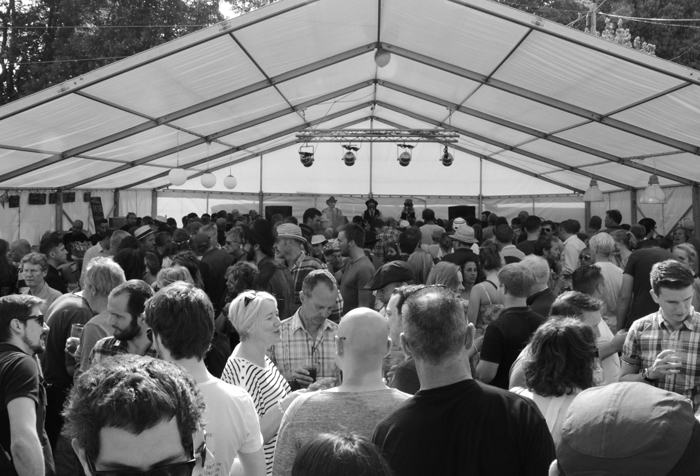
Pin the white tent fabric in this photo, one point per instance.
(540, 109)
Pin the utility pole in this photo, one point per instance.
(591, 23)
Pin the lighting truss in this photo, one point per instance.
(378, 135)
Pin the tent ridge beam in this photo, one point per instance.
(258, 141)
(487, 140)
(648, 99)
(542, 99)
(534, 132)
(495, 161)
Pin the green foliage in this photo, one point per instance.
(244, 6)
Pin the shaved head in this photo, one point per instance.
(363, 335)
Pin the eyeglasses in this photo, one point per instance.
(183, 468)
(39, 319)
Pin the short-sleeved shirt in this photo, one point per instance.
(111, 346)
(639, 267)
(297, 348)
(265, 385)
(527, 247)
(541, 302)
(47, 293)
(231, 422)
(466, 428)
(506, 337)
(427, 231)
(54, 279)
(19, 378)
(356, 275)
(644, 343)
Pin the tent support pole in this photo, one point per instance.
(633, 207)
(154, 203)
(586, 214)
(59, 209)
(260, 196)
(371, 150)
(481, 194)
(696, 204)
(116, 203)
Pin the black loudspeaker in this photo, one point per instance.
(284, 210)
(461, 211)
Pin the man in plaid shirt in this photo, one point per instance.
(289, 246)
(663, 348)
(386, 233)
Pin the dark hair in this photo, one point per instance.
(403, 292)
(291, 219)
(314, 278)
(570, 226)
(503, 233)
(310, 213)
(435, 326)
(162, 237)
(490, 257)
(573, 303)
(152, 263)
(532, 223)
(595, 222)
(133, 393)
(49, 242)
(128, 242)
(428, 214)
(243, 274)
(586, 278)
(138, 291)
(670, 274)
(7, 271)
(409, 239)
(562, 352)
(615, 215)
(516, 221)
(340, 455)
(132, 262)
(648, 223)
(183, 317)
(378, 223)
(171, 222)
(355, 233)
(492, 219)
(15, 306)
(130, 214)
(544, 243)
(189, 260)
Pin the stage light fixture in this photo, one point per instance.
(446, 158)
(382, 57)
(405, 156)
(349, 156)
(306, 155)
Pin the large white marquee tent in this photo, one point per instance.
(540, 110)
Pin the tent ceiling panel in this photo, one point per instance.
(149, 142)
(613, 141)
(187, 156)
(423, 78)
(521, 110)
(567, 155)
(637, 178)
(125, 177)
(320, 30)
(60, 174)
(178, 81)
(233, 113)
(10, 158)
(405, 121)
(455, 36)
(350, 117)
(63, 124)
(502, 181)
(345, 101)
(580, 76)
(581, 181)
(676, 114)
(331, 78)
(685, 165)
(411, 103)
(255, 133)
(526, 163)
(489, 129)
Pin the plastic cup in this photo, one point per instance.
(312, 369)
(76, 330)
(675, 360)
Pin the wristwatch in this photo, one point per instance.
(645, 376)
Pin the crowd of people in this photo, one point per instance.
(367, 345)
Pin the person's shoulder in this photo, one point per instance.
(106, 343)
(11, 355)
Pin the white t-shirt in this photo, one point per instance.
(231, 424)
(611, 365)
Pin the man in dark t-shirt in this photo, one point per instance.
(635, 301)
(22, 394)
(506, 337)
(456, 425)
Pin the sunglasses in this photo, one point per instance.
(547, 229)
(39, 319)
(183, 468)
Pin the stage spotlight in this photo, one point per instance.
(405, 156)
(446, 158)
(349, 156)
(306, 155)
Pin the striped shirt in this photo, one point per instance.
(298, 347)
(644, 343)
(266, 386)
(303, 265)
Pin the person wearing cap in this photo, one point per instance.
(371, 213)
(628, 429)
(333, 214)
(317, 244)
(146, 237)
(408, 213)
(358, 270)
(290, 247)
(430, 227)
(463, 243)
(456, 425)
(661, 349)
(389, 277)
(273, 277)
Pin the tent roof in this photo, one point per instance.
(546, 107)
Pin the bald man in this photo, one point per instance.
(357, 404)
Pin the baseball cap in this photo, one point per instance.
(290, 230)
(392, 272)
(629, 428)
(143, 232)
(465, 234)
